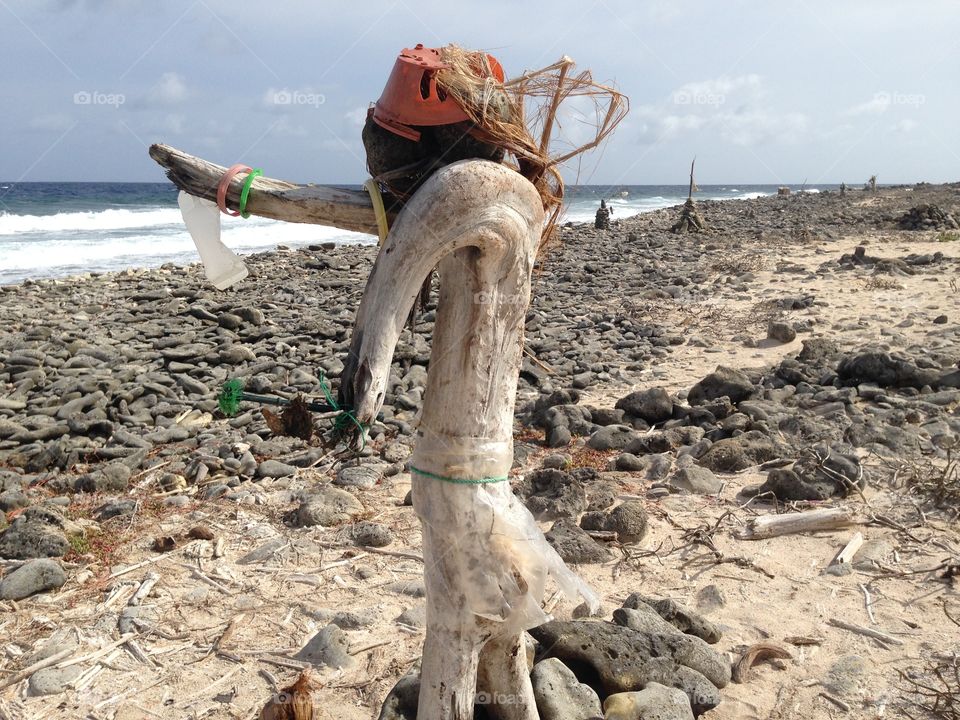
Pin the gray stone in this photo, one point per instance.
(254, 316)
(31, 578)
(116, 508)
(402, 701)
(574, 545)
(51, 681)
(411, 588)
(13, 500)
(358, 476)
(264, 552)
(371, 534)
(559, 695)
(556, 461)
(654, 702)
(229, 321)
(696, 480)
(236, 354)
(552, 494)
(629, 462)
(682, 618)
(621, 657)
(847, 676)
(654, 405)
(328, 506)
(275, 469)
(722, 382)
(415, 616)
(628, 520)
(710, 597)
(781, 331)
(37, 532)
(740, 452)
(354, 619)
(611, 437)
(329, 647)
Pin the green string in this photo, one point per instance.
(458, 481)
(245, 192)
(346, 417)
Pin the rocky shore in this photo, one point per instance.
(802, 352)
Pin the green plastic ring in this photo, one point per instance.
(245, 193)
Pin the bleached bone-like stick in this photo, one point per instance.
(485, 561)
(277, 199)
(767, 526)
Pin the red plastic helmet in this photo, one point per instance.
(411, 96)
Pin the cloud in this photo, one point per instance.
(357, 117)
(735, 108)
(169, 90)
(877, 105)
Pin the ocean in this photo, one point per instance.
(60, 229)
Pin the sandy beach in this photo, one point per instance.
(187, 558)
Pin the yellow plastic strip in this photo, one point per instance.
(379, 210)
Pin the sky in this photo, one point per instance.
(760, 92)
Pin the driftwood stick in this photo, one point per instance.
(768, 526)
(30, 669)
(869, 632)
(277, 199)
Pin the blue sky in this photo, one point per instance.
(761, 92)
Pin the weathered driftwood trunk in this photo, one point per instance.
(277, 199)
(485, 560)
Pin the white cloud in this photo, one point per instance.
(735, 108)
(357, 117)
(170, 90)
(876, 105)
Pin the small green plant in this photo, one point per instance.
(948, 236)
(79, 544)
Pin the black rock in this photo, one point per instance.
(551, 494)
(722, 382)
(654, 405)
(574, 545)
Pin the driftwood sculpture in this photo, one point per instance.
(486, 561)
(482, 223)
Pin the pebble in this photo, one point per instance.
(52, 681)
(328, 506)
(559, 695)
(328, 648)
(371, 534)
(274, 469)
(696, 480)
(628, 520)
(34, 576)
(574, 545)
(654, 702)
(363, 477)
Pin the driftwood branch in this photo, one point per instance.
(768, 526)
(271, 198)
